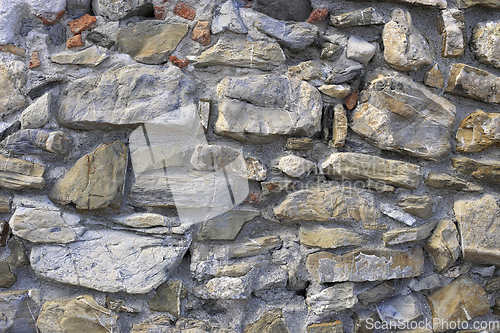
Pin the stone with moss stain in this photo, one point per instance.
(418, 205)
(443, 246)
(339, 126)
(7, 279)
(406, 235)
(256, 171)
(17, 257)
(335, 327)
(367, 16)
(18, 174)
(226, 226)
(434, 77)
(478, 131)
(461, 300)
(452, 26)
(475, 83)
(446, 181)
(488, 170)
(377, 293)
(333, 299)
(5, 201)
(168, 298)
(328, 238)
(360, 50)
(271, 321)
(366, 265)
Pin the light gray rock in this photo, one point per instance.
(376, 293)
(38, 113)
(11, 97)
(18, 307)
(226, 226)
(119, 9)
(397, 214)
(399, 309)
(429, 282)
(262, 107)
(485, 44)
(360, 50)
(124, 96)
(32, 141)
(225, 287)
(333, 299)
(452, 26)
(307, 70)
(295, 36)
(367, 16)
(295, 166)
(405, 235)
(446, 181)
(227, 18)
(111, 261)
(18, 174)
(475, 83)
(90, 57)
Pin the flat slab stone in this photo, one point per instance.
(17, 174)
(366, 265)
(90, 57)
(262, 107)
(446, 181)
(488, 170)
(332, 299)
(329, 238)
(395, 113)
(362, 17)
(475, 83)
(33, 141)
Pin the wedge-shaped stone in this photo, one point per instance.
(17, 174)
(328, 238)
(226, 226)
(271, 321)
(434, 77)
(460, 301)
(295, 166)
(484, 3)
(468, 81)
(333, 299)
(17, 307)
(327, 203)
(405, 47)
(262, 107)
(360, 166)
(96, 180)
(478, 131)
(90, 57)
(126, 96)
(150, 42)
(367, 16)
(488, 171)
(366, 265)
(240, 52)
(38, 113)
(405, 235)
(479, 225)
(146, 220)
(418, 205)
(111, 261)
(377, 293)
(253, 247)
(452, 26)
(443, 246)
(446, 181)
(395, 113)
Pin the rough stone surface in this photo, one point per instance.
(417, 205)
(484, 43)
(38, 142)
(329, 238)
(86, 22)
(452, 26)
(168, 298)
(366, 265)
(295, 10)
(227, 18)
(119, 9)
(17, 307)
(17, 174)
(443, 246)
(405, 47)
(376, 294)
(397, 114)
(360, 50)
(38, 113)
(201, 33)
(295, 166)
(339, 133)
(307, 70)
(91, 57)
(11, 98)
(468, 81)
(299, 144)
(446, 181)
(7, 279)
(150, 42)
(226, 226)
(483, 170)
(271, 321)
(405, 235)
(367, 16)
(478, 131)
(434, 77)
(361, 166)
(75, 42)
(332, 299)
(399, 309)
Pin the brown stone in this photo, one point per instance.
(17, 174)
(178, 62)
(335, 327)
(5, 203)
(201, 33)
(86, 22)
(443, 246)
(478, 131)
(12, 49)
(339, 126)
(159, 12)
(448, 182)
(51, 18)
(352, 100)
(185, 11)
(493, 285)
(35, 61)
(75, 41)
(472, 82)
(271, 322)
(452, 26)
(434, 77)
(318, 15)
(328, 238)
(461, 300)
(418, 205)
(299, 143)
(488, 171)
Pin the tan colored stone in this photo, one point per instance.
(478, 131)
(366, 265)
(83, 23)
(11, 99)
(363, 321)
(12, 49)
(201, 33)
(339, 126)
(96, 180)
(299, 144)
(461, 300)
(335, 327)
(362, 17)
(434, 77)
(488, 170)
(5, 203)
(472, 82)
(418, 205)
(336, 90)
(405, 235)
(307, 70)
(443, 246)
(74, 42)
(226, 226)
(361, 166)
(272, 321)
(17, 174)
(445, 181)
(452, 26)
(253, 247)
(34, 61)
(328, 238)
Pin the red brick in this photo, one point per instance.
(75, 41)
(51, 18)
(351, 100)
(35, 61)
(318, 15)
(249, 4)
(201, 33)
(160, 13)
(178, 62)
(186, 11)
(86, 22)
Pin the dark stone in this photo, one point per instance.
(286, 10)
(346, 75)
(100, 39)
(17, 257)
(18, 308)
(7, 279)
(16, 126)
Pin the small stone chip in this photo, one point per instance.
(74, 42)
(86, 22)
(185, 11)
(35, 61)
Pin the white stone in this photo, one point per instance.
(38, 113)
(360, 50)
(397, 214)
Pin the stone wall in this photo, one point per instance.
(249, 166)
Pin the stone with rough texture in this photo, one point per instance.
(366, 265)
(475, 83)
(445, 181)
(360, 50)
(226, 226)
(17, 174)
(185, 11)
(11, 98)
(295, 166)
(335, 327)
(111, 261)
(277, 186)
(150, 42)
(256, 171)
(443, 246)
(333, 299)
(252, 247)
(34, 61)
(479, 224)
(79, 314)
(270, 322)
(37, 114)
(145, 220)
(307, 70)
(399, 309)
(318, 15)
(17, 308)
(339, 126)
(461, 300)
(405, 47)
(31, 141)
(299, 144)
(239, 52)
(124, 96)
(484, 3)
(86, 22)
(328, 238)
(376, 294)
(286, 10)
(7, 279)
(168, 298)
(326, 203)
(336, 90)
(360, 166)
(262, 107)
(100, 39)
(406, 235)
(17, 257)
(394, 213)
(90, 57)
(5, 201)
(119, 9)
(367, 16)
(488, 171)
(418, 205)
(201, 33)
(294, 36)
(434, 77)
(441, 4)
(75, 42)
(478, 131)
(452, 26)
(485, 44)
(227, 18)
(398, 114)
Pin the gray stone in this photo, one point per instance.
(32, 141)
(333, 299)
(90, 57)
(12, 99)
(328, 238)
(397, 214)
(361, 166)
(294, 36)
(295, 166)
(363, 321)
(345, 74)
(484, 271)
(286, 10)
(168, 297)
(227, 18)
(299, 144)
(418, 205)
(405, 47)
(96, 180)
(366, 265)
(119, 9)
(253, 247)
(17, 307)
(360, 50)
(331, 51)
(471, 3)
(446, 181)
(475, 83)
(484, 43)
(441, 4)
(405, 235)
(214, 157)
(399, 309)
(150, 42)
(367, 16)
(452, 26)
(271, 321)
(37, 114)
(335, 327)
(377, 293)
(240, 52)
(17, 257)
(483, 170)
(256, 171)
(111, 261)
(226, 226)
(100, 39)
(125, 96)
(429, 282)
(225, 288)
(395, 113)
(17, 174)
(262, 107)
(7, 279)
(443, 246)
